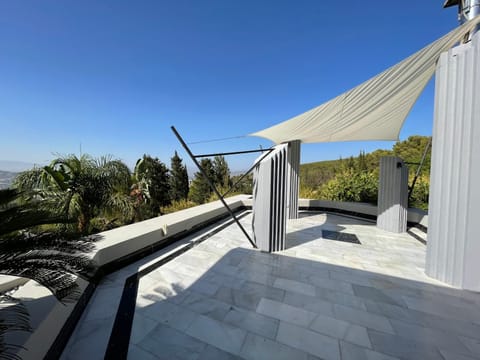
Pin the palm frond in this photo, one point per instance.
(13, 317)
(22, 217)
(49, 241)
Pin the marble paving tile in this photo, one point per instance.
(137, 353)
(103, 303)
(310, 303)
(213, 353)
(259, 348)
(141, 327)
(363, 318)
(89, 340)
(439, 338)
(167, 313)
(252, 322)
(448, 355)
(294, 286)
(238, 298)
(285, 312)
(168, 343)
(438, 308)
(342, 330)
(306, 340)
(336, 297)
(336, 285)
(224, 280)
(203, 305)
(472, 344)
(219, 334)
(397, 346)
(370, 293)
(455, 326)
(353, 352)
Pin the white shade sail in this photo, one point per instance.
(374, 110)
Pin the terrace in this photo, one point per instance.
(331, 283)
(343, 289)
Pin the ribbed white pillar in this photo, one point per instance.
(270, 197)
(453, 247)
(392, 195)
(294, 178)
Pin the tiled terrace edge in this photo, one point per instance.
(121, 246)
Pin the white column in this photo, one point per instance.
(270, 197)
(392, 195)
(453, 245)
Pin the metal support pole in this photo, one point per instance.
(419, 168)
(231, 153)
(248, 172)
(212, 186)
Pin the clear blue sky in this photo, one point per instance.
(114, 75)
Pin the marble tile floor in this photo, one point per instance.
(319, 299)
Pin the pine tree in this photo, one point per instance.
(222, 172)
(178, 179)
(362, 162)
(200, 189)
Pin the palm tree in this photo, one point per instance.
(89, 187)
(51, 258)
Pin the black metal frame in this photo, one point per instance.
(419, 168)
(210, 183)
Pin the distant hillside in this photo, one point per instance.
(15, 166)
(313, 175)
(6, 178)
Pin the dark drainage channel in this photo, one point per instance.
(340, 236)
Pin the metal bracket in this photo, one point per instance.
(212, 186)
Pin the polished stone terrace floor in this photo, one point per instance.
(328, 296)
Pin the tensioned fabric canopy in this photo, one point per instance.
(374, 110)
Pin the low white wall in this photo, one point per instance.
(416, 216)
(8, 282)
(120, 242)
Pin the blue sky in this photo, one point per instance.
(111, 77)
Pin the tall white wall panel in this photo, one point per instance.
(270, 197)
(392, 195)
(453, 250)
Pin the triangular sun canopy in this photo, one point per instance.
(374, 110)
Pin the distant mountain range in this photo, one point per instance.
(10, 169)
(6, 178)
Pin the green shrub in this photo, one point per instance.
(351, 186)
(177, 205)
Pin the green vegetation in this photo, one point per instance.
(83, 188)
(178, 179)
(356, 178)
(54, 258)
(151, 187)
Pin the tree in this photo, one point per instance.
(362, 162)
(221, 172)
(83, 187)
(153, 179)
(52, 258)
(411, 151)
(178, 179)
(200, 189)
